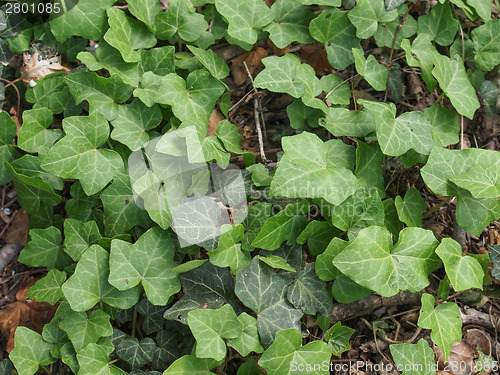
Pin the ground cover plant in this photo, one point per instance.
(250, 187)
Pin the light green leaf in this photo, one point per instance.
(77, 155)
(373, 262)
(282, 226)
(343, 122)
(127, 35)
(209, 327)
(386, 32)
(474, 214)
(439, 24)
(280, 75)
(148, 262)
(193, 99)
(44, 249)
(445, 123)
(214, 64)
(229, 253)
(145, 11)
(277, 262)
(464, 272)
(375, 73)
(397, 135)
(245, 18)
(369, 160)
(260, 174)
(34, 135)
(83, 329)
(308, 293)
(325, 269)
(452, 78)
(286, 355)
(306, 170)
(337, 90)
(102, 94)
(415, 359)
(333, 28)
(366, 15)
(148, 91)
(53, 93)
(230, 136)
(329, 3)
(300, 114)
(291, 23)
(421, 54)
(135, 353)
(261, 288)
(192, 365)
(48, 288)
(78, 236)
(249, 340)
(89, 284)
(30, 351)
(338, 337)
(444, 321)
(8, 152)
(482, 180)
(93, 359)
(411, 208)
(86, 19)
(486, 40)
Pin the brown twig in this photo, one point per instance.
(18, 110)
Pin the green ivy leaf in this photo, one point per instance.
(416, 359)
(148, 262)
(209, 327)
(45, 250)
(307, 170)
(86, 19)
(8, 152)
(386, 32)
(213, 63)
(411, 208)
(83, 329)
(397, 135)
(318, 235)
(421, 54)
(308, 293)
(280, 75)
(445, 123)
(489, 93)
(371, 261)
(89, 284)
(486, 40)
(474, 214)
(366, 15)
(102, 94)
(53, 93)
(375, 73)
(148, 91)
(93, 359)
(494, 252)
(153, 316)
(444, 321)
(30, 351)
(343, 122)
(482, 180)
(228, 252)
(79, 236)
(464, 272)
(49, 288)
(286, 354)
(338, 338)
(439, 24)
(77, 155)
(277, 262)
(230, 136)
(452, 78)
(260, 288)
(160, 61)
(145, 11)
(192, 365)
(248, 341)
(345, 290)
(136, 353)
(34, 135)
(325, 269)
(256, 217)
(369, 160)
(167, 350)
(245, 18)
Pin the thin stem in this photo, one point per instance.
(259, 130)
(340, 84)
(10, 83)
(134, 322)
(436, 207)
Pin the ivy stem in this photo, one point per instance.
(437, 206)
(18, 109)
(46, 370)
(134, 322)
(340, 84)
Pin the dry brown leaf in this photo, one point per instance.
(460, 361)
(33, 68)
(253, 59)
(315, 55)
(18, 230)
(213, 122)
(478, 339)
(277, 51)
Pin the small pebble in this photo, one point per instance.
(6, 211)
(32, 83)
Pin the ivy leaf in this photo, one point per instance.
(260, 288)
(345, 290)
(209, 327)
(336, 89)
(452, 78)
(393, 4)
(167, 350)
(318, 235)
(286, 354)
(145, 11)
(86, 19)
(482, 180)
(229, 253)
(136, 353)
(248, 341)
(291, 23)
(180, 18)
(463, 272)
(374, 72)
(77, 155)
(325, 269)
(230, 136)
(445, 123)
(411, 208)
(245, 18)
(280, 75)
(193, 99)
(416, 359)
(206, 286)
(486, 40)
(439, 24)
(78, 236)
(333, 28)
(45, 250)
(343, 122)
(369, 160)
(102, 94)
(366, 15)
(213, 63)
(83, 329)
(192, 365)
(338, 338)
(256, 218)
(8, 152)
(93, 359)
(148, 262)
(386, 32)
(277, 262)
(474, 214)
(30, 351)
(421, 53)
(34, 135)
(308, 293)
(494, 252)
(160, 61)
(148, 91)
(397, 135)
(306, 170)
(153, 316)
(89, 284)
(444, 321)
(49, 288)
(370, 261)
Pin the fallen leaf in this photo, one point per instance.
(460, 361)
(253, 59)
(315, 55)
(277, 51)
(213, 122)
(478, 339)
(33, 68)
(18, 230)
